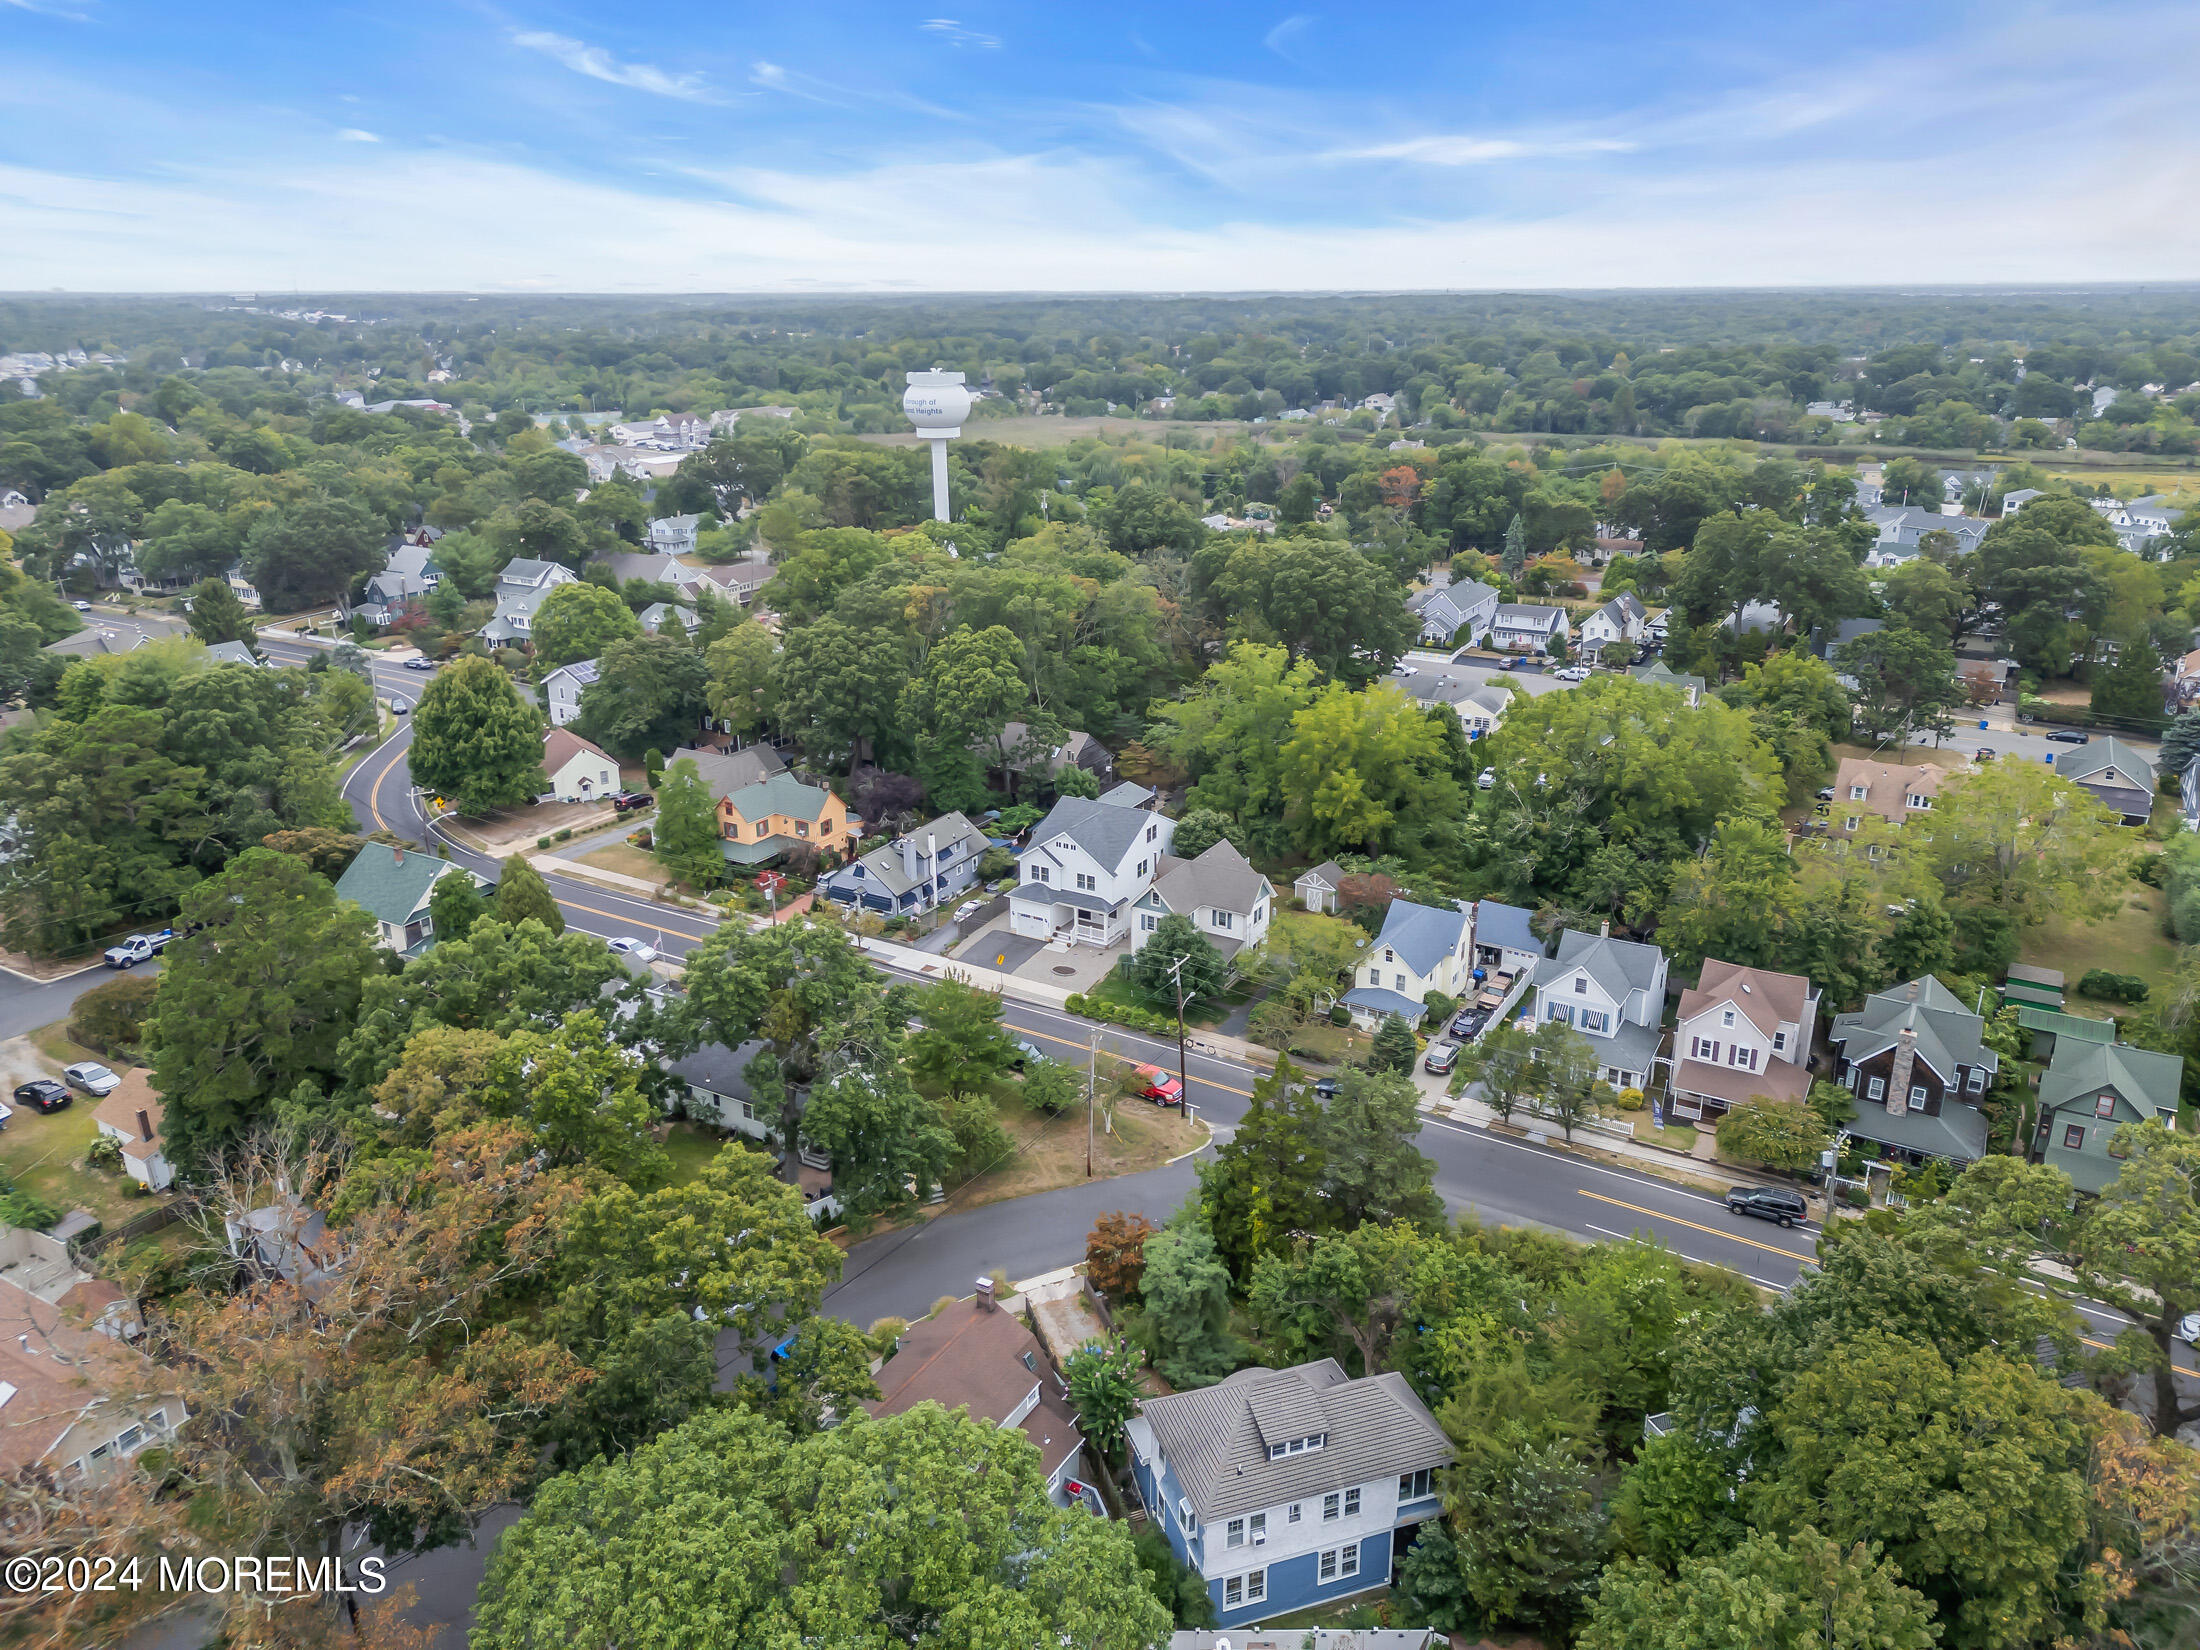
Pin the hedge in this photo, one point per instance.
(1131, 1019)
(2112, 988)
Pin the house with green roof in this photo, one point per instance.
(1657, 673)
(763, 820)
(392, 886)
(2089, 1092)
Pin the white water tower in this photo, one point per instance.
(937, 403)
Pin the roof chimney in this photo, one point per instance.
(1909, 992)
(985, 1294)
(1604, 929)
(145, 1128)
(909, 857)
(399, 854)
(1898, 1080)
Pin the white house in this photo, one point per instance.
(131, 1116)
(520, 590)
(1613, 993)
(392, 886)
(659, 617)
(1225, 898)
(1479, 702)
(1902, 527)
(578, 771)
(1620, 621)
(717, 1084)
(1744, 1033)
(1517, 627)
(562, 689)
(1454, 612)
(1089, 861)
(1421, 948)
(1287, 1488)
(243, 588)
(672, 535)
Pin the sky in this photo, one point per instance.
(325, 145)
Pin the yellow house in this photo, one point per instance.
(761, 821)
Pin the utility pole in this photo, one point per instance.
(1092, 1093)
(1183, 1081)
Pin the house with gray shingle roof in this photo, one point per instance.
(234, 653)
(1089, 861)
(562, 690)
(1917, 1061)
(1421, 948)
(916, 872)
(2112, 771)
(1505, 938)
(1316, 887)
(1454, 613)
(1288, 1488)
(1619, 623)
(1613, 993)
(2088, 1092)
(1657, 673)
(1226, 899)
(392, 886)
(1528, 627)
(659, 617)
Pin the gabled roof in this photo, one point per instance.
(1221, 878)
(390, 883)
(719, 1069)
(1105, 830)
(657, 615)
(1617, 966)
(1948, 1034)
(561, 745)
(1328, 873)
(1128, 794)
(981, 1357)
(726, 772)
(782, 793)
(119, 1112)
(580, 673)
(1422, 934)
(1527, 616)
(2081, 763)
(1216, 1438)
(1621, 608)
(651, 567)
(232, 653)
(883, 865)
(1505, 927)
(2150, 1081)
(1770, 1000)
(1658, 674)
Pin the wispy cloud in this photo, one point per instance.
(1460, 149)
(955, 34)
(1284, 32)
(41, 9)
(599, 64)
(356, 134)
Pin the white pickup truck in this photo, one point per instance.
(138, 948)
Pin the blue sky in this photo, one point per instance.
(521, 146)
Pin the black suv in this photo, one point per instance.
(44, 1094)
(1767, 1203)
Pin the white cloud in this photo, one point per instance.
(599, 64)
(955, 34)
(1280, 36)
(1457, 149)
(355, 134)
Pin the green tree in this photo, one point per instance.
(1531, 1537)
(1906, 681)
(578, 621)
(110, 1018)
(1050, 1087)
(307, 553)
(1736, 901)
(648, 694)
(1501, 1064)
(1372, 1170)
(963, 1044)
(476, 741)
(972, 683)
(1187, 1297)
(1104, 1385)
(1153, 965)
(2019, 838)
(255, 998)
(2037, 583)
(579, 1094)
(2130, 690)
(1394, 1049)
(218, 616)
(1515, 556)
(455, 904)
(1926, 597)
(888, 1142)
(1365, 771)
(542, 531)
(1562, 1066)
(181, 540)
(1264, 1182)
(742, 688)
(522, 895)
(753, 1536)
(684, 835)
(1804, 1593)
(1776, 1133)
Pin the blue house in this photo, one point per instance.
(1286, 1488)
(912, 874)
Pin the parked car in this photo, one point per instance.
(968, 909)
(2188, 1327)
(1485, 779)
(1464, 1024)
(420, 664)
(1440, 1058)
(1401, 668)
(42, 1094)
(1028, 1053)
(1571, 673)
(1326, 1087)
(1825, 793)
(81, 607)
(92, 1077)
(1775, 1203)
(2069, 736)
(400, 707)
(1985, 753)
(626, 802)
(1159, 1086)
(626, 945)
(1509, 662)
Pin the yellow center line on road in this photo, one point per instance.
(1071, 1042)
(1658, 1214)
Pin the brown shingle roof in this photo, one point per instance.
(1768, 999)
(973, 1356)
(119, 1111)
(1887, 787)
(561, 745)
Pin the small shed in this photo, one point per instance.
(2029, 987)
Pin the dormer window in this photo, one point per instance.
(1297, 1446)
(1856, 793)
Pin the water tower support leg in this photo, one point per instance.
(939, 479)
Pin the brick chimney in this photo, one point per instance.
(1898, 1081)
(145, 1127)
(985, 1294)
(399, 854)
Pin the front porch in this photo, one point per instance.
(1061, 914)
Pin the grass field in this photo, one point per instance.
(44, 1154)
(625, 859)
(2131, 942)
(690, 1149)
(1051, 1152)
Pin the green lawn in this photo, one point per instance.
(45, 1156)
(1115, 989)
(690, 1149)
(2130, 942)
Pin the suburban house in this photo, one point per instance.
(2013, 502)
(1658, 674)
(1225, 898)
(1010, 753)
(1863, 787)
(977, 1356)
(2186, 677)
(235, 653)
(1917, 1062)
(131, 1116)
(1903, 528)
(914, 873)
(1454, 613)
(2115, 773)
(1421, 948)
(1619, 623)
(75, 1398)
(728, 771)
(1517, 627)
(1743, 1034)
(520, 589)
(1089, 861)
(562, 690)
(1316, 888)
(1504, 939)
(669, 432)
(246, 592)
(578, 771)
(414, 554)
(1479, 702)
(672, 535)
(389, 596)
(658, 617)
(1613, 993)
(392, 886)
(716, 1078)
(1286, 1488)
(2089, 1091)
(762, 821)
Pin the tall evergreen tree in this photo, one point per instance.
(1187, 1290)
(1515, 557)
(521, 893)
(685, 834)
(217, 615)
(1261, 1186)
(1394, 1048)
